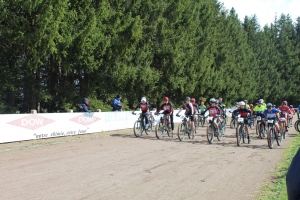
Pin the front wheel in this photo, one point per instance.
(271, 138)
(239, 134)
(181, 132)
(221, 128)
(149, 129)
(210, 132)
(279, 138)
(159, 130)
(297, 125)
(202, 121)
(137, 128)
(232, 123)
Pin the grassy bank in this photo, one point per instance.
(277, 189)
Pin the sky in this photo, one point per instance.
(265, 10)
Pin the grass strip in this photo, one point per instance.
(277, 189)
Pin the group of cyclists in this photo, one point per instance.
(216, 110)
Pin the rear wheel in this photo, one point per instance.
(181, 132)
(262, 131)
(137, 128)
(210, 133)
(202, 121)
(232, 123)
(257, 129)
(221, 130)
(159, 130)
(297, 125)
(279, 138)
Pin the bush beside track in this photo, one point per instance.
(277, 188)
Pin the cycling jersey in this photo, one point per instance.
(285, 111)
(143, 106)
(259, 108)
(271, 113)
(188, 107)
(242, 111)
(167, 108)
(196, 110)
(214, 111)
(202, 109)
(247, 106)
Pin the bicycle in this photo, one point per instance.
(211, 130)
(297, 125)
(272, 135)
(260, 127)
(163, 126)
(241, 132)
(184, 128)
(139, 126)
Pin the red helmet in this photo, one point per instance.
(193, 100)
(166, 99)
(251, 105)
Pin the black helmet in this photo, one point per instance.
(269, 105)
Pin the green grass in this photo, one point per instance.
(277, 189)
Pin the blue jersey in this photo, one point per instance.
(299, 108)
(271, 113)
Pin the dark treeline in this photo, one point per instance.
(53, 53)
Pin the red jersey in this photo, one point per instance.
(213, 111)
(143, 106)
(285, 108)
(167, 108)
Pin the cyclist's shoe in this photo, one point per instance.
(249, 139)
(286, 129)
(278, 134)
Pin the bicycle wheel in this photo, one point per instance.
(221, 131)
(279, 138)
(297, 126)
(271, 137)
(181, 132)
(169, 130)
(149, 130)
(137, 128)
(282, 131)
(202, 121)
(159, 130)
(262, 131)
(252, 124)
(257, 129)
(239, 134)
(232, 123)
(244, 134)
(210, 133)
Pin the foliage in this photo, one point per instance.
(54, 53)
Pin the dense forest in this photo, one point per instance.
(53, 53)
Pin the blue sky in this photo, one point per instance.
(265, 10)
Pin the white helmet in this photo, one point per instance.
(143, 100)
(242, 103)
(262, 101)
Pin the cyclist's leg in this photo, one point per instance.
(147, 118)
(192, 123)
(172, 122)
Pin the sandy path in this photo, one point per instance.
(116, 165)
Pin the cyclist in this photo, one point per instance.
(214, 111)
(285, 111)
(259, 109)
(202, 108)
(196, 110)
(189, 111)
(167, 107)
(246, 114)
(144, 106)
(292, 109)
(272, 113)
(263, 103)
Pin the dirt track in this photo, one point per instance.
(116, 165)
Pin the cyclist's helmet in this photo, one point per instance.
(212, 100)
(187, 98)
(269, 105)
(242, 103)
(260, 101)
(193, 100)
(143, 100)
(291, 106)
(273, 105)
(246, 101)
(237, 103)
(217, 101)
(251, 105)
(284, 102)
(166, 99)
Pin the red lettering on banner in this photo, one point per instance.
(31, 122)
(83, 120)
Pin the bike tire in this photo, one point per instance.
(232, 124)
(244, 135)
(262, 131)
(271, 138)
(202, 121)
(159, 130)
(210, 132)
(279, 138)
(221, 132)
(252, 126)
(257, 129)
(239, 134)
(137, 128)
(149, 130)
(297, 126)
(181, 132)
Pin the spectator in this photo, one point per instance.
(117, 103)
(84, 105)
(293, 178)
